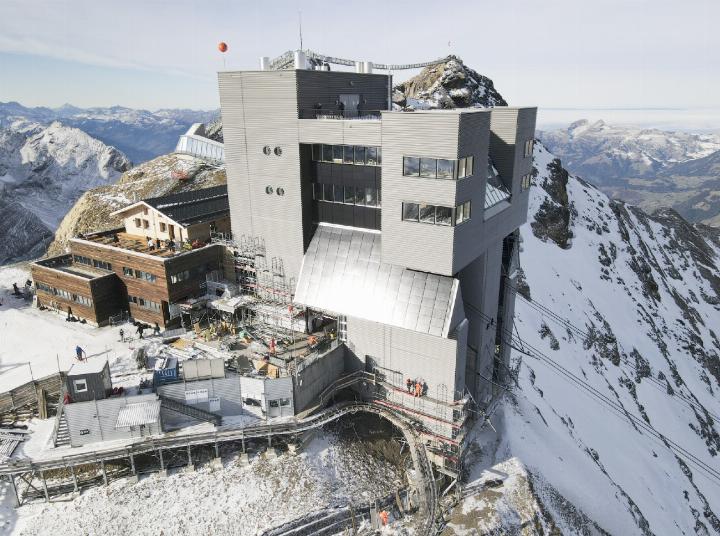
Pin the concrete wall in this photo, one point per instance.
(438, 361)
(313, 379)
(90, 422)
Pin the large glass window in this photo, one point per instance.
(328, 191)
(317, 152)
(371, 197)
(411, 166)
(348, 156)
(338, 194)
(443, 215)
(410, 211)
(461, 168)
(337, 154)
(427, 213)
(468, 166)
(360, 155)
(327, 153)
(349, 195)
(428, 167)
(445, 169)
(359, 195)
(372, 156)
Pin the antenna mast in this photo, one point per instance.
(300, 27)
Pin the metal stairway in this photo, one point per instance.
(173, 404)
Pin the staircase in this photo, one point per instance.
(62, 435)
(173, 404)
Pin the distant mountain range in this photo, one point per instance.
(648, 167)
(140, 134)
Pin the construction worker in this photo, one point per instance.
(418, 389)
(409, 384)
(384, 517)
(140, 329)
(424, 388)
(79, 353)
(122, 335)
(156, 330)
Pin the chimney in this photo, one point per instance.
(264, 63)
(367, 67)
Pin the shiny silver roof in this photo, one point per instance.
(342, 274)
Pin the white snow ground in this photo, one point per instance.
(237, 500)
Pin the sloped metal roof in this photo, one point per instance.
(138, 413)
(194, 206)
(342, 273)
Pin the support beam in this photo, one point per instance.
(104, 473)
(15, 491)
(217, 450)
(75, 480)
(132, 463)
(162, 464)
(47, 495)
(242, 437)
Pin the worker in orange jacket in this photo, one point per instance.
(384, 517)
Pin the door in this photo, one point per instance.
(171, 232)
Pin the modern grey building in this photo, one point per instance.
(402, 224)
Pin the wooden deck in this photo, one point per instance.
(136, 243)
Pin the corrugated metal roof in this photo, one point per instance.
(139, 413)
(195, 206)
(342, 273)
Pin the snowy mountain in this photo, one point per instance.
(605, 154)
(611, 427)
(140, 134)
(43, 171)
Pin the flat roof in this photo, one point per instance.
(89, 366)
(195, 206)
(132, 242)
(342, 273)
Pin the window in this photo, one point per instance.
(146, 224)
(338, 194)
(138, 223)
(327, 153)
(42, 286)
(371, 197)
(80, 386)
(337, 151)
(427, 213)
(461, 168)
(443, 216)
(80, 259)
(462, 213)
(342, 328)
(349, 195)
(139, 274)
(529, 147)
(526, 181)
(145, 210)
(372, 158)
(281, 192)
(269, 190)
(284, 402)
(360, 155)
(316, 152)
(274, 403)
(102, 264)
(180, 276)
(348, 154)
(469, 166)
(127, 271)
(278, 151)
(428, 167)
(163, 227)
(445, 169)
(145, 304)
(411, 166)
(267, 150)
(411, 211)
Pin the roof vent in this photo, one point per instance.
(300, 60)
(265, 63)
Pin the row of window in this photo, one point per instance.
(526, 181)
(437, 168)
(193, 272)
(347, 154)
(280, 402)
(92, 262)
(364, 196)
(139, 274)
(529, 148)
(77, 298)
(142, 223)
(145, 304)
(436, 215)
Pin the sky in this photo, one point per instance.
(556, 54)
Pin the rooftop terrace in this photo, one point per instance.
(65, 263)
(118, 238)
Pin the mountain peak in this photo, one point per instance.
(450, 84)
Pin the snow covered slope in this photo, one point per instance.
(43, 171)
(615, 412)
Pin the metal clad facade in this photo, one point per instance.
(228, 390)
(262, 111)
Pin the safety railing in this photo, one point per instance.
(320, 113)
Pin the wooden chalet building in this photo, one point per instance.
(159, 258)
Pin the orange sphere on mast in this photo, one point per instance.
(222, 46)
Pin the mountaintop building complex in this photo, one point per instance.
(359, 251)
(403, 225)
